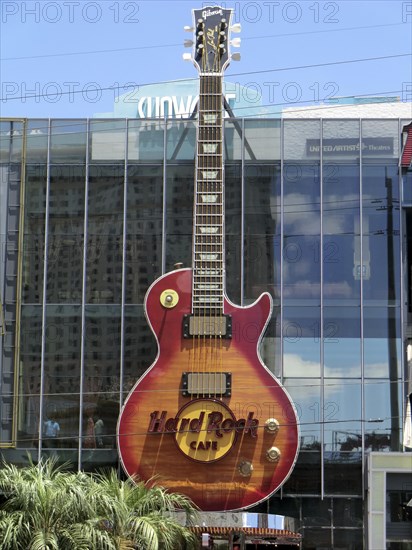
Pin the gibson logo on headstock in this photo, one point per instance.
(209, 13)
(205, 430)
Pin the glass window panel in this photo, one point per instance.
(350, 539)
(179, 215)
(348, 512)
(68, 141)
(383, 415)
(146, 140)
(233, 220)
(262, 230)
(340, 140)
(232, 140)
(301, 270)
(305, 394)
(382, 342)
(317, 537)
(36, 140)
(140, 347)
(301, 198)
(11, 140)
(66, 234)
(34, 228)
(380, 138)
(262, 139)
(29, 376)
(382, 357)
(181, 140)
(341, 342)
(407, 188)
(101, 378)
(342, 416)
(301, 342)
(62, 373)
(144, 229)
(382, 322)
(343, 470)
(105, 234)
(381, 281)
(381, 241)
(107, 140)
(316, 512)
(341, 199)
(380, 196)
(305, 478)
(341, 281)
(301, 139)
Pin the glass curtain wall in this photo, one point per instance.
(312, 216)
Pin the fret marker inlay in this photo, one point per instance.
(209, 147)
(209, 198)
(209, 174)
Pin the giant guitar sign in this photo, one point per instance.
(194, 421)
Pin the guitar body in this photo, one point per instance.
(228, 443)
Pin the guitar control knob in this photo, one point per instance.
(245, 468)
(272, 425)
(169, 298)
(273, 454)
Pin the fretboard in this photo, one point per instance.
(208, 230)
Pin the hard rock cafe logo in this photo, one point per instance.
(205, 430)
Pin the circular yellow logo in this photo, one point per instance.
(207, 430)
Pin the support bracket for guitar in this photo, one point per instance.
(234, 121)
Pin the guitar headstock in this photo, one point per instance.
(211, 39)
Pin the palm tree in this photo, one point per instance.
(139, 516)
(48, 508)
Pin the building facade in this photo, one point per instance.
(318, 213)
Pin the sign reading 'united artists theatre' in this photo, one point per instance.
(348, 146)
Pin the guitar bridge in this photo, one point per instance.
(195, 326)
(206, 384)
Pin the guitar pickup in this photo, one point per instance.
(197, 326)
(207, 384)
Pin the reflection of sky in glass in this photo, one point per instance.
(306, 396)
(342, 415)
(342, 357)
(377, 357)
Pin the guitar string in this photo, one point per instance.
(216, 217)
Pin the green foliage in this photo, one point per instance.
(48, 507)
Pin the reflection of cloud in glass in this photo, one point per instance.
(302, 213)
(378, 357)
(347, 371)
(339, 213)
(295, 365)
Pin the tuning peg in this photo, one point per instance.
(188, 29)
(235, 42)
(188, 43)
(237, 27)
(187, 57)
(235, 56)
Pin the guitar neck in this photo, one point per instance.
(208, 230)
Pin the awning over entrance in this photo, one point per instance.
(255, 537)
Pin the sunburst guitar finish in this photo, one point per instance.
(225, 453)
